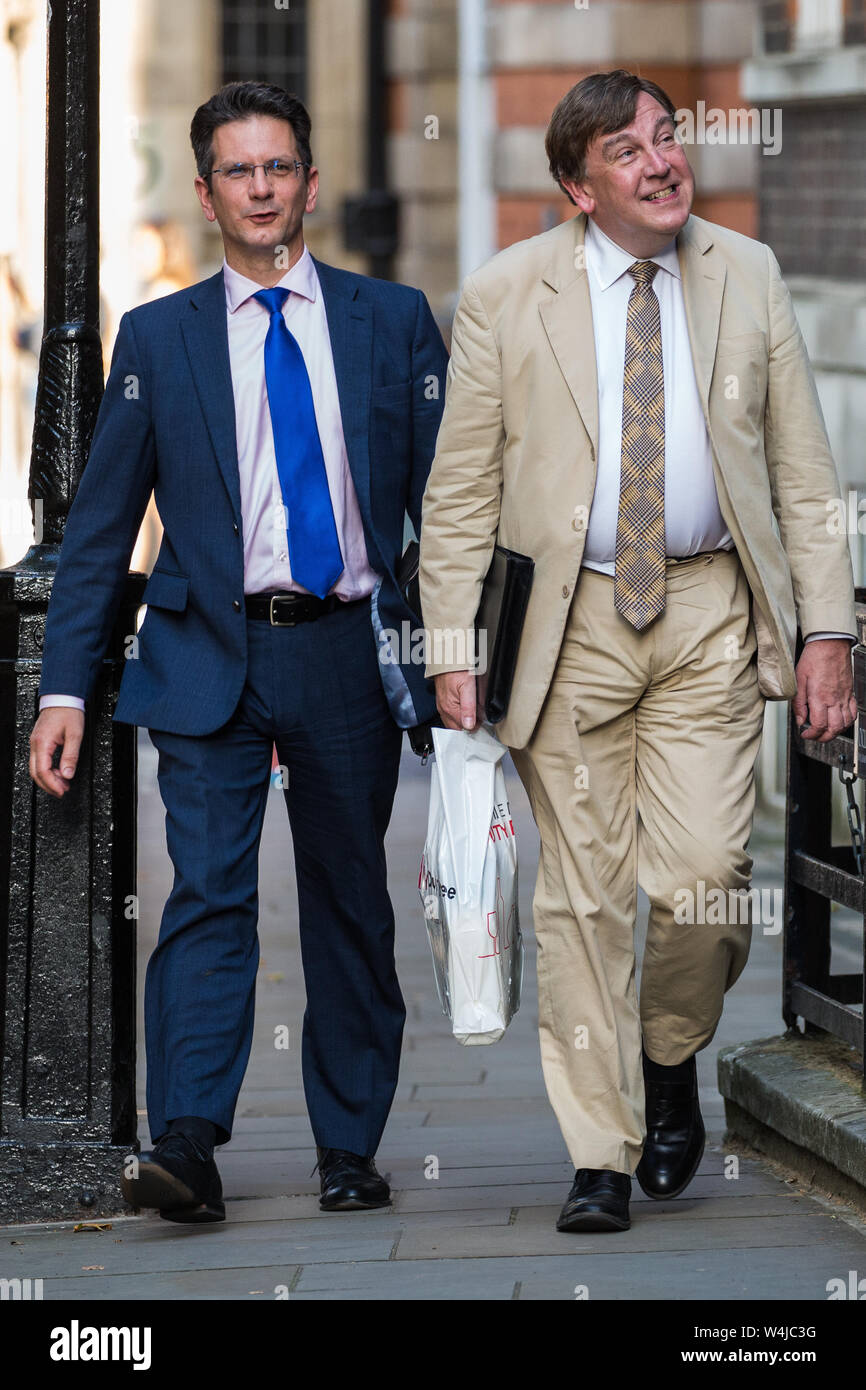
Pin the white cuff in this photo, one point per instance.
(56, 701)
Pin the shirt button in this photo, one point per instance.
(284, 557)
(236, 605)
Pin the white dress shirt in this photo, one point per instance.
(266, 553)
(693, 519)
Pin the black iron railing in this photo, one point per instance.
(819, 873)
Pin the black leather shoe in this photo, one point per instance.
(179, 1177)
(350, 1182)
(675, 1135)
(598, 1201)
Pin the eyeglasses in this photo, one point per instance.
(276, 168)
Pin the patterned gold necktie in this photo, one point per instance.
(639, 582)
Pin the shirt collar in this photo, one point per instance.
(301, 279)
(609, 261)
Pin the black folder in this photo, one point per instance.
(498, 625)
(501, 613)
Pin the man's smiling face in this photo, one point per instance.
(637, 184)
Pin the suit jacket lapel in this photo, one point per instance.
(205, 333)
(350, 327)
(567, 319)
(703, 273)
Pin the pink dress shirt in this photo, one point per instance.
(266, 558)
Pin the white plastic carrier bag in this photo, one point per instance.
(468, 886)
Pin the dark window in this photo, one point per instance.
(262, 42)
(813, 193)
(777, 26)
(855, 22)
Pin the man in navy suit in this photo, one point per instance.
(284, 413)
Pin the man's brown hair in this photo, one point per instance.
(600, 104)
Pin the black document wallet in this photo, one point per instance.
(499, 627)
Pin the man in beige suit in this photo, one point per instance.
(630, 402)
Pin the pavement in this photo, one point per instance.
(478, 1168)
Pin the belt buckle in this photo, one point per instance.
(275, 622)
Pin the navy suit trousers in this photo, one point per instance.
(315, 691)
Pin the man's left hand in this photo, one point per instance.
(824, 704)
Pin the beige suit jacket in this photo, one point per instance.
(516, 453)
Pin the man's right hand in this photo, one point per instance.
(58, 726)
(455, 699)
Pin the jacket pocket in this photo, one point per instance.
(741, 342)
(166, 590)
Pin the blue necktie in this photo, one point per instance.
(314, 546)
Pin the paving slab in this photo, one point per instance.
(706, 1207)
(255, 1284)
(533, 1233)
(794, 1274)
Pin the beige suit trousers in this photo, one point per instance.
(641, 769)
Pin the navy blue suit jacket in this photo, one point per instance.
(167, 424)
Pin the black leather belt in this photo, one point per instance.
(286, 610)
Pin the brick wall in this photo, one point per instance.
(669, 43)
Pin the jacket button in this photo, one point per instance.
(235, 605)
(565, 591)
(236, 528)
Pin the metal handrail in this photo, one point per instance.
(817, 873)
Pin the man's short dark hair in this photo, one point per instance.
(237, 101)
(600, 104)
